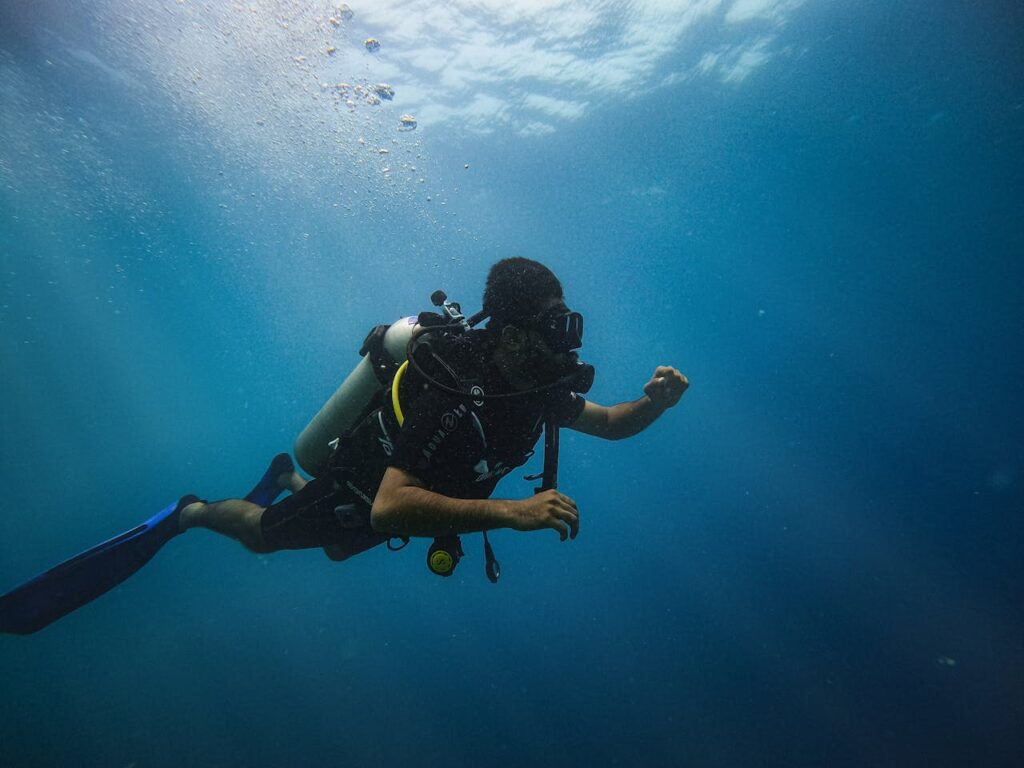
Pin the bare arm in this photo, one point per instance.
(404, 507)
(627, 419)
(616, 422)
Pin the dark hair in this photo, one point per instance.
(516, 291)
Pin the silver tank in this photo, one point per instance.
(337, 416)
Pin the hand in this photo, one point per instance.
(666, 387)
(549, 509)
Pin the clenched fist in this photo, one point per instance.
(666, 387)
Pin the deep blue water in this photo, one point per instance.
(815, 559)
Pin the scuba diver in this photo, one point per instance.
(412, 444)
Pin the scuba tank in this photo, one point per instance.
(313, 446)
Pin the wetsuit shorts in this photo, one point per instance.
(323, 514)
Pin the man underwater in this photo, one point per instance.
(421, 460)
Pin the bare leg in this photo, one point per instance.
(235, 518)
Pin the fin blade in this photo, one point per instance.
(81, 579)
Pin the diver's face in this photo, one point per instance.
(542, 363)
(539, 351)
(534, 354)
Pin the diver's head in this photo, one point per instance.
(517, 291)
(536, 333)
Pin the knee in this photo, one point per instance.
(256, 544)
(254, 540)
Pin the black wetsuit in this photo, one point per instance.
(458, 447)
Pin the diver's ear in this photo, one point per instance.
(513, 338)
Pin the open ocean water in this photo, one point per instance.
(815, 210)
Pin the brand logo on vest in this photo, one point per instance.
(478, 391)
(449, 423)
(366, 499)
(484, 472)
(384, 439)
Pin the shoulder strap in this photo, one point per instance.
(384, 365)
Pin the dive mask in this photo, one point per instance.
(562, 332)
(561, 328)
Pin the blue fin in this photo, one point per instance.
(267, 490)
(83, 578)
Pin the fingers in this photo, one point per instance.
(566, 516)
(567, 502)
(568, 523)
(568, 528)
(666, 374)
(562, 528)
(666, 385)
(553, 510)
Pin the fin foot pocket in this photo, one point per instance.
(266, 491)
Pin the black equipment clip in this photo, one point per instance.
(549, 477)
(384, 366)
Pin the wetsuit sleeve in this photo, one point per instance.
(566, 407)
